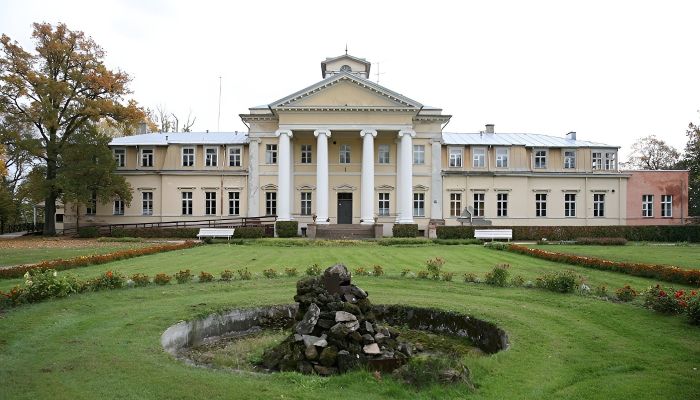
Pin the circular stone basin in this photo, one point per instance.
(178, 338)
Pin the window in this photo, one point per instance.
(569, 204)
(271, 154)
(418, 154)
(91, 207)
(455, 159)
(305, 203)
(478, 157)
(598, 205)
(59, 218)
(479, 204)
(502, 204)
(146, 157)
(418, 204)
(270, 203)
(234, 203)
(188, 156)
(610, 161)
(383, 204)
(210, 203)
(120, 157)
(501, 157)
(118, 207)
(147, 203)
(383, 154)
(211, 156)
(540, 158)
(455, 204)
(666, 205)
(569, 159)
(186, 203)
(597, 160)
(345, 154)
(540, 204)
(306, 154)
(647, 205)
(234, 156)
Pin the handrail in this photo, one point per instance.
(210, 223)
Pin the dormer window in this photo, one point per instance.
(345, 68)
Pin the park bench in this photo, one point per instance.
(215, 232)
(493, 234)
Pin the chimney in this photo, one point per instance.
(571, 135)
(489, 128)
(143, 128)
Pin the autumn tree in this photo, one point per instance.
(691, 161)
(653, 153)
(59, 89)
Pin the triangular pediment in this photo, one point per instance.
(345, 90)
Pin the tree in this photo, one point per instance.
(653, 153)
(60, 89)
(691, 161)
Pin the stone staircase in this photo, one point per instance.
(345, 231)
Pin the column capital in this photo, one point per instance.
(409, 132)
(283, 132)
(326, 132)
(372, 132)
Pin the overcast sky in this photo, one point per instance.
(613, 71)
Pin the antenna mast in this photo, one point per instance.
(218, 117)
(378, 73)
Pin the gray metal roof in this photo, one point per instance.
(166, 138)
(516, 139)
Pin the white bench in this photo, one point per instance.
(493, 234)
(215, 232)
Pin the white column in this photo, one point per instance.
(322, 136)
(367, 186)
(436, 179)
(253, 181)
(292, 192)
(405, 202)
(283, 170)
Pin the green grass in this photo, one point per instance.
(685, 255)
(9, 256)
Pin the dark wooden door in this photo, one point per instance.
(345, 208)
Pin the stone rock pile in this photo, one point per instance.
(336, 330)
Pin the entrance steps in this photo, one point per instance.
(344, 231)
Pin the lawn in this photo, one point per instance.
(684, 256)
(34, 250)
(106, 344)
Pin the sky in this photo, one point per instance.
(613, 71)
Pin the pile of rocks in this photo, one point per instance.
(336, 330)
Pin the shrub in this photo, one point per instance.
(456, 242)
(666, 300)
(423, 274)
(205, 277)
(270, 273)
(498, 276)
(454, 232)
(244, 274)
(517, 281)
(601, 291)
(162, 279)
(360, 271)
(109, 280)
(405, 230)
(291, 271)
(626, 293)
(405, 272)
(208, 240)
(313, 270)
(562, 281)
(249, 232)
(226, 275)
(88, 232)
(434, 266)
(603, 241)
(287, 229)
(183, 276)
(377, 270)
(410, 241)
(693, 309)
(497, 245)
(447, 276)
(40, 285)
(141, 279)
(469, 277)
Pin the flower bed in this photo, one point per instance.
(83, 261)
(660, 272)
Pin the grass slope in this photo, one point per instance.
(13, 256)
(685, 256)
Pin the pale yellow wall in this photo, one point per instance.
(327, 118)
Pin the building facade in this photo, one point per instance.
(349, 151)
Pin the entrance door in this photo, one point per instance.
(345, 208)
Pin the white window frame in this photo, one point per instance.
(455, 156)
(479, 204)
(151, 158)
(118, 207)
(306, 154)
(91, 206)
(344, 154)
(570, 205)
(271, 154)
(501, 204)
(270, 203)
(647, 206)
(418, 154)
(305, 203)
(235, 156)
(419, 204)
(541, 205)
(190, 158)
(213, 161)
(599, 205)
(597, 160)
(536, 157)
(502, 157)
(666, 206)
(478, 157)
(610, 161)
(186, 203)
(569, 161)
(383, 154)
(147, 203)
(210, 203)
(384, 204)
(119, 156)
(455, 204)
(234, 203)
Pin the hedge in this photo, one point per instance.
(405, 230)
(88, 232)
(287, 229)
(647, 233)
(249, 232)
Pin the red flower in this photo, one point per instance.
(662, 293)
(109, 274)
(679, 294)
(682, 303)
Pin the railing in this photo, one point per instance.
(268, 222)
(27, 226)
